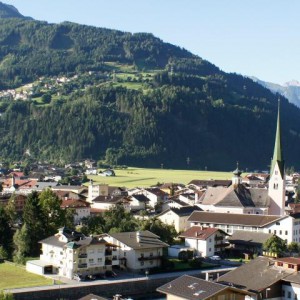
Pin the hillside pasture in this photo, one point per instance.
(140, 177)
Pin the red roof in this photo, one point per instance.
(289, 260)
(199, 233)
(73, 203)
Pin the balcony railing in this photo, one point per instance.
(141, 258)
(108, 262)
(108, 252)
(81, 266)
(82, 255)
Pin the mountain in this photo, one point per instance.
(130, 99)
(9, 11)
(290, 90)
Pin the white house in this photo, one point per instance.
(286, 227)
(67, 253)
(138, 251)
(81, 208)
(177, 217)
(205, 241)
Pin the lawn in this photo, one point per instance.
(180, 265)
(15, 277)
(139, 177)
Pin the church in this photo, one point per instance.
(241, 199)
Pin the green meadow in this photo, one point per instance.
(13, 276)
(140, 177)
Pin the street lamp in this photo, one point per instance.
(147, 273)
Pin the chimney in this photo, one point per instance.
(138, 237)
(12, 180)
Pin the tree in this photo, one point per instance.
(34, 218)
(3, 253)
(118, 220)
(10, 210)
(22, 244)
(167, 233)
(293, 247)
(6, 296)
(275, 244)
(46, 98)
(51, 206)
(5, 230)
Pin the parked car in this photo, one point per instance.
(79, 277)
(91, 277)
(109, 273)
(215, 257)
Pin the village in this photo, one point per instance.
(213, 220)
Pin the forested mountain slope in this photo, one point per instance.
(131, 99)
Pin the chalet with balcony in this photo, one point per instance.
(67, 253)
(138, 251)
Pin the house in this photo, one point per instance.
(81, 208)
(204, 184)
(107, 202)
(138, 202)
(247, 242)
(177, 217)
(205, 241)
(266, 278)
(192, 288)
(77, 189)
(108, 173)
(91, 171)
(19, 185)
(286, 227)
(138, 251)
(70, 252)
(156, 196)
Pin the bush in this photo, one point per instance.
(196, 263)
(183, 255)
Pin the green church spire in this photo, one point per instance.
(277, 155)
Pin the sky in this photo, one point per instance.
(258, 38)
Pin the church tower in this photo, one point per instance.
(276, 190)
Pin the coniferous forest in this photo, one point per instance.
(135, 101)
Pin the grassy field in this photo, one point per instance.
(138, 177)
(15, 277)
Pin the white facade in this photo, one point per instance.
(87, 256)
(277, 192)
(95, 190)
(287, 228)
(170, 218)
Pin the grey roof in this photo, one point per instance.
(107, 199)
(211, 182)
(256, 275)
(92, 297)
(233, 219)
(249, 237)
(53, 241)
(185, 210)
(140, 197)
(192, 288)
(145, 240)
(236, 196)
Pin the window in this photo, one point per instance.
(91, 260)
(280, 232)
(283, 293)
(289, 295)
(142, 263)
(274, 231)
(286, 232)
(151, 262)
(99, 259)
